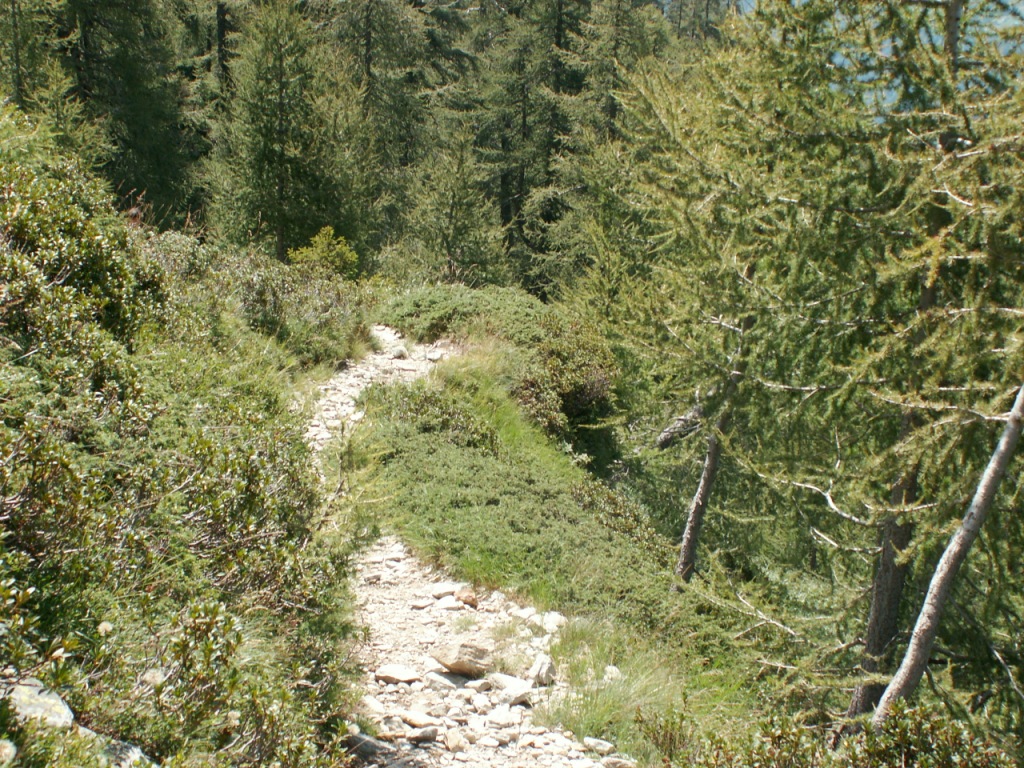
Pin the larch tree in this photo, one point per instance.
(845, 202)
(274, 175)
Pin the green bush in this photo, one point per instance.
(330, 252)
(909, 738)
(162, 562)
(565, 371)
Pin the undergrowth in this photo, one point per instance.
(476, 485)
(164, 562)
(559, 370)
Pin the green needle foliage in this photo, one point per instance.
(826, 228)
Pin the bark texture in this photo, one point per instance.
(883, 619)
(698, 506)
(907, 677)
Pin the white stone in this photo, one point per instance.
(600, 746)
(480, 702)
(543, 670)
(455, 741)
(553, 621)
(397, 673)
(467, 659)
(31, 701)
(479, 685)
(449, 603)
(504, 716)
(513, 690)
(370, 705)
(120, 754)
(489, 741)
(440, 682)
(418, 719)
(445, 588)
(611, 672)
(523, 613)
(617, 762)
(7, 752)
(422, 602)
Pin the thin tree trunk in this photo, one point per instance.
(19, 86)
(698, 506)
(222, 44)
(883, 618)
(687, 563)
(890, 576)
(954, 15)
(907, 677)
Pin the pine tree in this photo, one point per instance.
(122, 60)
(275, 174)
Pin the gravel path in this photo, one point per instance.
(452, 673)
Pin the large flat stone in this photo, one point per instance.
(466, 659)
(397, 673)
(31, 701)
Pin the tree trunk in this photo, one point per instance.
(222, 44)
(954, 14)
(904, 683)
(890, 577)
(883, 618)
(687, 563)
(698, 506)
(19, 86)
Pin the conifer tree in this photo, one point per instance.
(860, 203)
(275, 176)
(122, 60)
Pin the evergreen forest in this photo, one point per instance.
(740, 292)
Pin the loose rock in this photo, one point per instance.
(421, 719)
(31, 701)
(514, 690)
(543, 670)
(455, 741)
(445, 588)
(397, 673)
(120, 754)
(422, 735)
(466, 659)
(600, 746)
(617, 762)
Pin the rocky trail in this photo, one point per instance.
(452, 674)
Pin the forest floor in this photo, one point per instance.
(452, 674)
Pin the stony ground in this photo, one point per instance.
(452, 674)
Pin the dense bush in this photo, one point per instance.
(910, 738)
(307, 307)
(564, 372)
(162, 563)
(475, 485)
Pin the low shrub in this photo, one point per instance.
(909, 738)
(328, 252)
(163, 560)
(565, 371)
